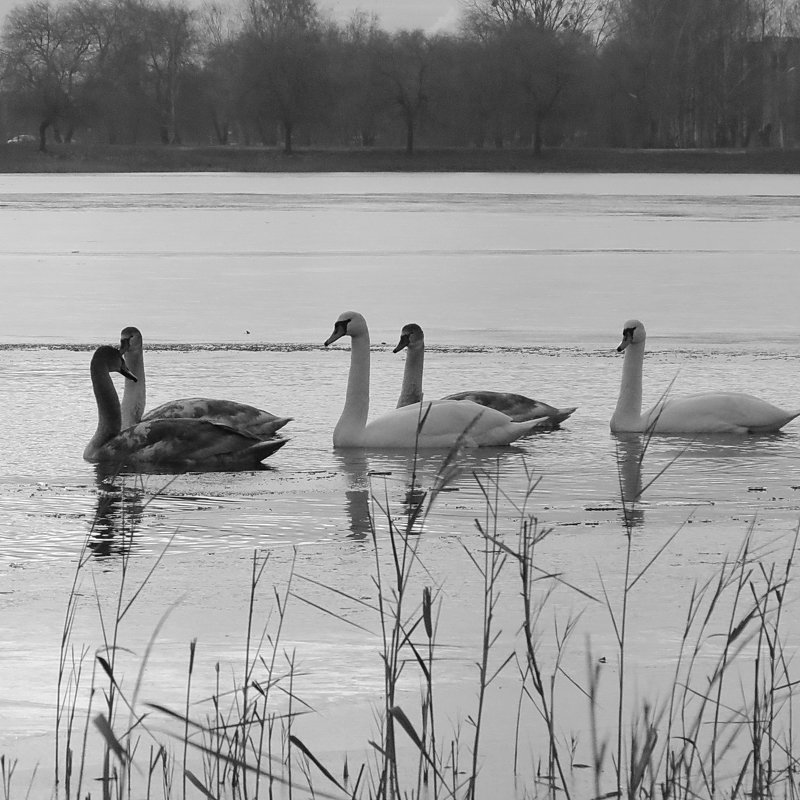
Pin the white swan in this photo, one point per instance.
(185, 443)
(441, 424)
(516, 406)
(226, 412)
(710, 412)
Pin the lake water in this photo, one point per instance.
(521, 282)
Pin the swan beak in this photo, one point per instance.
(403, 343)
(127, 373)
(125, 345)
(339, 330)
(627, 338)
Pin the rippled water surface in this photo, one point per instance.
(520, 282)
(312, 493)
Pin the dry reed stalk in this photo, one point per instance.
(679, 750)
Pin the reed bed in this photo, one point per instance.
(722, 728)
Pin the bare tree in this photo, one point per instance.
(404, 63)
(284, 62)
(685, 68)
(581, 16)
(168, 38)
(219, 32)
(44, 54)
(362, 102)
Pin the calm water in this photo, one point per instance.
(520, 282)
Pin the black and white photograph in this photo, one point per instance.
(401, 399)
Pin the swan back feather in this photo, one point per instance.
(517, 406)
(225, 412)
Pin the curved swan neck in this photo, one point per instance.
(629, 404)
(108, 410)
(356, 406)
(134, 395)
(412, 377)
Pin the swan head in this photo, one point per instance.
(111, 359)
(633, 332)
(130, 340)
(411, 336)
(350, 323)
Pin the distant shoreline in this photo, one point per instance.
(79, 158)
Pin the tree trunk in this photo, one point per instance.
(499, 140)
(43, 126)
(262, 131)
(287, 138)
(409, 134)
(537, 136)
(220, 128)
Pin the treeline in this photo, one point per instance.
(530, 73)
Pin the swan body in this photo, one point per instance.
(439, 424)
(225, 412)
(709, 412)
(517, 406)
(185, 443)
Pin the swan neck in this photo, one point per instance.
(134, 395)
(108, 410)
(356, 406)
(412, 378)
(629, 404)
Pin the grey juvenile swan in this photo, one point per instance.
(516, 406)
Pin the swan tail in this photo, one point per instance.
(776, 426)
(565, 413)
(264, 449)
(249, 458)
(509, 433)
(532, 426)
(535, 425)
(271, 427)
(554, 420)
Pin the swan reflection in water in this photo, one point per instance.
(700, 468)
(118, 513)
(372, 488)
(630, 451)
(402, 485)
(353, 464)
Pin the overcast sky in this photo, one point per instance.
(430, 15)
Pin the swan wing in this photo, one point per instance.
(444, 423)
(718, 412)
(226, 412)
(517, 406)
(187, 442)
